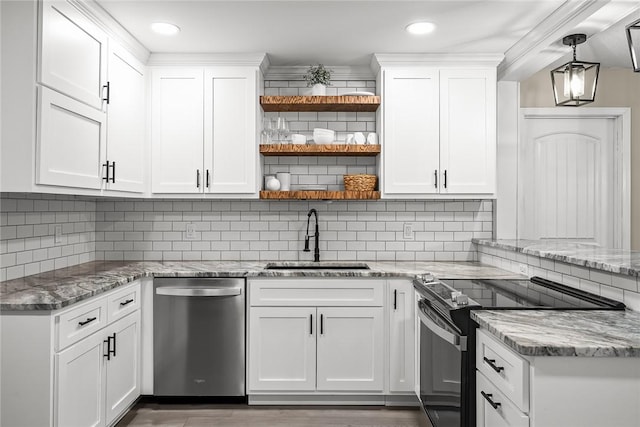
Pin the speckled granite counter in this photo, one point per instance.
(565, 333)
(60, 288)
(578, 253)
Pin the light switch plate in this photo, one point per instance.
(191, 232)
(407, 231)
(57, 234)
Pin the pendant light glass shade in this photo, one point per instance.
(633, 38)
(575, 82)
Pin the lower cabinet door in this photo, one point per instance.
(401, 336)
(123, 366)
(350, 349)
(282, 349)
(80, 380)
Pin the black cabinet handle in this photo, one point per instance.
(198, 178)
(445, 178)
(108, 342)
(208, 180)
(492, 363)
(106, 166)
(489, 399)
(311, 325)
(86, 322)
(114, 345)
(435, 174)
(127, 302)
(321, 324)
(395, 299)
(108, 88)
(113, 172)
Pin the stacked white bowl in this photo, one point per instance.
(323, 136)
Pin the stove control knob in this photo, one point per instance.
(459, 298)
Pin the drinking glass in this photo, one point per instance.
(267, 131)
(282, 128)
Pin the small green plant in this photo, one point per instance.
(318, 75)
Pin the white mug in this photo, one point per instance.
(285, 180)
(349, 139)
(358, 137)
(372, 138)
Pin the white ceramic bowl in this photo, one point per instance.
(297, 138)
(323, 139)
(320, 131)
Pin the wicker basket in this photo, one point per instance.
(360, 182)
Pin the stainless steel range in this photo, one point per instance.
(447, 334)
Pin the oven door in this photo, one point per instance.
(442, 358)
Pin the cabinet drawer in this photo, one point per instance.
(80, 322)
(495, 410)
(123, 302)
(504, 368)
(316, 292)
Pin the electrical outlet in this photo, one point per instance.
(407, 231)
(191, 232)
(57, 234)
(524, 269)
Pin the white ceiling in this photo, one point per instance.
(347, 32)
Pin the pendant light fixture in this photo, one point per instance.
(633, 37)
(574, 83)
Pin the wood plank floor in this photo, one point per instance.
(201, 415)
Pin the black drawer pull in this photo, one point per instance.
(489, 398)
(492, 363)
(311, 324)
(89, 320)
(127, 302)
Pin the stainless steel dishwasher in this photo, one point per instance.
(199, 337)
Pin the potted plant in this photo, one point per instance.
(318, 78)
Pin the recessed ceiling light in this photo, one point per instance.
(165, 28)
(420, 28)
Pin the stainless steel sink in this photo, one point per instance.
(295, 265)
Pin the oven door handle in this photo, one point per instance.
(459, 342)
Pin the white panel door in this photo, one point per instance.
(401, 336)
(350, 349)
(231, 147)
(73, 53)
(282, 348)
(468, 131)
(80, 383)
(123, 367)
(125, 121)
(71, 142)
(567, 180)
(411, 135)
(177, 133)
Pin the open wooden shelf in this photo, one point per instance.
(347, 103)
(320, 195)
(319, 150)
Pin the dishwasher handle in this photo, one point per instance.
(197, 291)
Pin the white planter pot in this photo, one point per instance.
(318, 90)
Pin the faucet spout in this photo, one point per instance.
(316, 249)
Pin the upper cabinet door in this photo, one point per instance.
(410, 150)
(71, 142)
(231, 148)
(73, 53)
(468, 131)
(126, 121)
(177, 130)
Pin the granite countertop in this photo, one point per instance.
(579, 253)
(585, 333)
(59, 288)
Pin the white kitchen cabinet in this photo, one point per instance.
(204, 130)
(80, 379)
(71, 142)
(553, 391)
(350, 349)
(282, 348)
(73, 53)
(439, 131)
(125, 153)
(402, 330)
(58, 367)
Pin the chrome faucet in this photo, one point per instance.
(316, 250)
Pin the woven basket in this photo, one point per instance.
(360, 182)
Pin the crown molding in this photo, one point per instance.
(100, 17)
(202, 59)
(380, 60)
(338, 72)
(539, 47)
